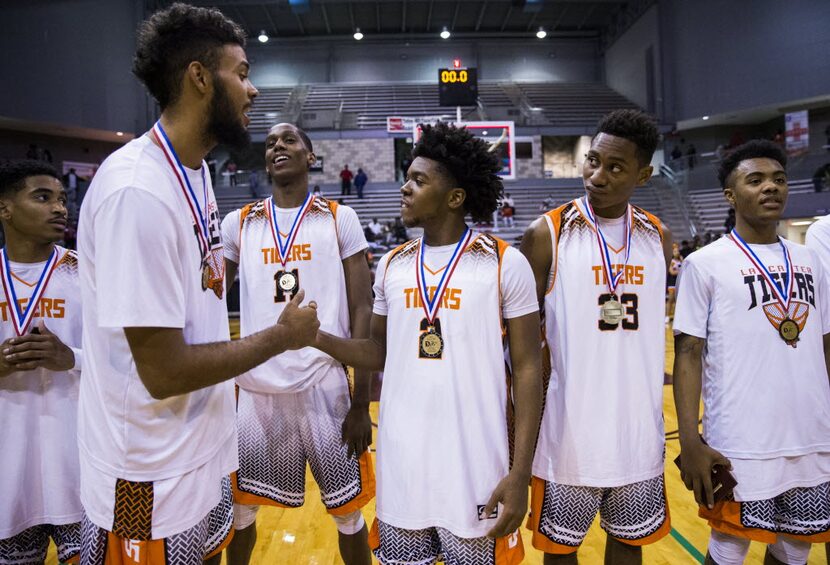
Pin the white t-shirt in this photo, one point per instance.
(141, 266)
(38, 409)
(443, 429)
(764, 400)
(327, 235)
(818, 239)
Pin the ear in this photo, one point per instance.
(312, 158)
(5, 209)
(198, 76)
(456, 198)
(645, 174)
(729, 194)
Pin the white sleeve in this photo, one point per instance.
(380, 308)
(138, 274)
(694, 300)
(349, 233)
(231, 235)
(518, 286)
(818, 239)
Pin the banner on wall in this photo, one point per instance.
(797, 132)
(317, 167)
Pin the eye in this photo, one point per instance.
(616, 168)
(591, 159)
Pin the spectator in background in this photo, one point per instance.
(211, 163)
(231, 168)
(696, 243)
(346, 177)
(779, 138)
(676, 153)
(405, 163)
(360, 181)
(375, 229)
(548, 203)
(685, 249)
(821, 178)
(508, 209)
(70, 236)
(253, 182)
(316, 190)
(399, 231)
(691, 156)
(729, 223)
(707, 238)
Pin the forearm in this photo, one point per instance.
(688, 376)
(362, 354)
(527, 394)
(361, 318)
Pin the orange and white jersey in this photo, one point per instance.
(327, 234)
(38, 408)
(443, 433)
(763, 397)
(602, 424)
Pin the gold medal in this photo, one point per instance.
(431, 344)
(612, 312)
(788, 330)
(287, 281)
(205, 276)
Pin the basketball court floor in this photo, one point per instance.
(307, 535)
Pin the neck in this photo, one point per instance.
(447, 232)
(186, 133)
(610, 212)
(290, 194)
(22, 250)
(756, 232)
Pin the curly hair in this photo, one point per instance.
(468, 160)
(171, 39)
(13, 174)
(635, 126)
(752, 149)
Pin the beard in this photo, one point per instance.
(224, 125)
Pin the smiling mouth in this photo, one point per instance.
(279, 159)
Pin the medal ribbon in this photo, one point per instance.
(189, 194)
(783, 295)
(283, 250)
(21, 319)
(431, 306)
(612, 278)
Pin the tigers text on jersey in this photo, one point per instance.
(444, 422)
(602, 424)
(38, 409)
(327, 234)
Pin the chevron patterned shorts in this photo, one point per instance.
(398, 546)
(190, 547)
(29, 546)
(636, 514)
(799, 512)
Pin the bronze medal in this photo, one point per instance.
(205, 276)
(431, 344)
(612, 312)
(788, 330)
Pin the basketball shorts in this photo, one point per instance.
(398, 546)
(29, 547)
(560, 515)
(802, 513)
(129, 544)
(279, 433)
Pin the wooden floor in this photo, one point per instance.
(307, 536)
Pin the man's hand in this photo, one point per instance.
(512, 493)
(299, 323)
(357, 430)
(33, 350)
(696, 463)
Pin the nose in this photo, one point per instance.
(253, 92)
(598, 177)
(406, 189)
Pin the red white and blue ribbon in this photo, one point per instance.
(612, 278)
(22, 319)
(199, 216)
(783, 295)
(284, 249)
(431, 306)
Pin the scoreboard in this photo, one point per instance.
(458, 87)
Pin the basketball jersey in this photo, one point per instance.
(38, 409)
(763, 398)
(316, 259)
(602, 424)
(443, 433)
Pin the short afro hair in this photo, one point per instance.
(469, 161)
(171, 39)
(635, 126)
(753, 149)
(13, 174)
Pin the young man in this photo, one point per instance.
(40, 361)
(346, 177)
(446, 486)
(752, 330)
(292, 408)
(157, 409)
(600, 268)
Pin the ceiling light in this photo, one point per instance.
(445, 33)
(358, 35)
(263, 37)
(705, 118)
(541, 34)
